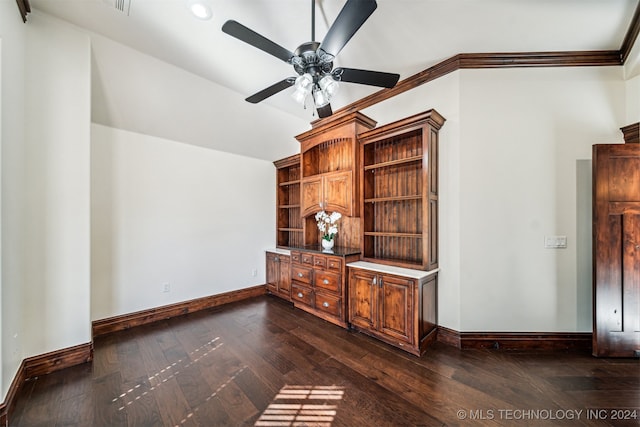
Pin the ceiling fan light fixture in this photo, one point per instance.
(300, 96)
(329, 86)
(303, 85)
(320, 97)
(200, 9)
(304, 82)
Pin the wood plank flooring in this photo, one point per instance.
(260, 362)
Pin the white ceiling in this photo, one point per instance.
(402, 36)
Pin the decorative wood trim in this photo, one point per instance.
(57, 360)
(481, 61)
(333, 121)
(126, 321)
(288, 161)
(631, 36)
(631, 133)
(25, 9)
(449, 336)
(557, 341)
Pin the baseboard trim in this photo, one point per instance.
(43, 364)
(6, 408)
(580, 341)
(57, 360)
(127, 321)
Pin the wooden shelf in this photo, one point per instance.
(288, 206)
(392, 199)
(291, 230)
(390, 234)
(390, 163)
(286, 183)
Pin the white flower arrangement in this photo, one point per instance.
(328, 224)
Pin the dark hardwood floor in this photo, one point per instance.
(261, 362)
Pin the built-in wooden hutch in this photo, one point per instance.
(381, 277)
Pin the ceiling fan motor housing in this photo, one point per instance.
(309, 60)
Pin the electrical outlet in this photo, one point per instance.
(254, 272)
(167, 287)
(555, 242)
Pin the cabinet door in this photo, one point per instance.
(616, 247)
(272, 272)
(396, 308)
(337, 193)
(363, 298)
(311, 195)
(284, 280)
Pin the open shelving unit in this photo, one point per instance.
(399, 204)
(289, 220)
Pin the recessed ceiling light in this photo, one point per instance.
(200, 9)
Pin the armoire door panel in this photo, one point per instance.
(616, 250)
(631, 274)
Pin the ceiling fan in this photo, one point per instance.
(313, 61)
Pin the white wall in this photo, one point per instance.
(632, 78)
(12, 44)
(165, 212)
(513, 153)
(55, 306)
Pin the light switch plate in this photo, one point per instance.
(555, 242)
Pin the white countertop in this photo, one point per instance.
(382, 268)
(279, 251)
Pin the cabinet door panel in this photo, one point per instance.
(272, 272)
(311, 195)
(396, 308)
(362, 299)
(337, 193)
(284, 282)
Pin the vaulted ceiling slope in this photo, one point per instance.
(401, 36)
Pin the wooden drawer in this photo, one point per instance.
(306, 258)
(328, 280)
(329, 304)
(319, 261)
(301, 274)
(295, 257)
(334, 264)
(301, 294)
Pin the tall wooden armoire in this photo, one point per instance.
(616, 247)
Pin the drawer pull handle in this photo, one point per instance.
(325, 304)
(300, 274)
(300, 295)
(325, 281)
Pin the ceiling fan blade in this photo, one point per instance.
(324, 111)
(349, 20)
(271, 90)
(366, 77)
(249, 36)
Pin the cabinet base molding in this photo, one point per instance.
(43, 364)
(126, 321)
(557, 341)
